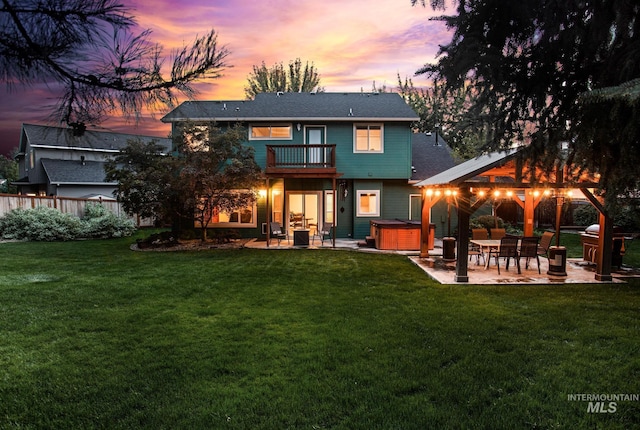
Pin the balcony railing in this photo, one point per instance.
(319, 159)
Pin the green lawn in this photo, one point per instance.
(93, 335)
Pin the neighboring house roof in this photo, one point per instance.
(430, 155)
(469, 169)
(91, 140)
(351, 107)
(74, 172)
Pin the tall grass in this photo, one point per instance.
(93, 335)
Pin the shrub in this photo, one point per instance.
(627, 218)
(585, 215)
(39, 224)
(99, 222)
(48, 224)
(486, 221)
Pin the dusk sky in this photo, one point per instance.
(352, 43)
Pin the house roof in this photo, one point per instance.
(430, 155)
(90, 140)
(469, 169)
(298, 106)
(67, 172)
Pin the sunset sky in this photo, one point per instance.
(352, 43)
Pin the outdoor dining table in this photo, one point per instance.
(488, 245)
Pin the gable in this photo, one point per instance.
(74, 172)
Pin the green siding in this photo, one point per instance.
(393, 163)
(387, 171)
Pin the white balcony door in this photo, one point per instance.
(315, 136)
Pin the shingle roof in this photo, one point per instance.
(75, 172)
(430, 155)
(298, 106)
(90, 139)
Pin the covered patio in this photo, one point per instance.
(510, 174)
(578, 272)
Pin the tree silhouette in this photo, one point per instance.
(547, 72)
(87, 47)
(276, 78)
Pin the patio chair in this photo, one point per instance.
(478, 234)
(508, 249)
(277, 233)
(545, 243)
(498, 233)
(327, 229)
(529, 250)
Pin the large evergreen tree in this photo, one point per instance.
(533, 64)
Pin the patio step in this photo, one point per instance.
(370, 242)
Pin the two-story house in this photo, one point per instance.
(54, 161)
(337, 158)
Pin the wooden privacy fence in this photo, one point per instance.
(70, 205)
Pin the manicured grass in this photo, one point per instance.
(93, 335)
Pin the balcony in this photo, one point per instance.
(303, 161)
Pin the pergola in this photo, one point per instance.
(509, 173)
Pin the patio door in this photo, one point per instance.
(315, 135)
(304, 209)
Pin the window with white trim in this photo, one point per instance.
(271, 132)
(368, 203)
(329, 215)
(368, 138)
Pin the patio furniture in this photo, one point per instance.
(301, 237)
(474, 248)
(326, 231)
(498, 233)
(545, 243)
(508, 249)
(529, 250)
(276, 232)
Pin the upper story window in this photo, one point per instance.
(368, 138)
(271, 132)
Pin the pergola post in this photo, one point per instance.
(428, 200)
(605, 239)
(605, 242)
(464, 213)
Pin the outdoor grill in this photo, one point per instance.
(590, 246)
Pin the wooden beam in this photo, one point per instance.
(462, 255)
(605, 239)
(427, 203)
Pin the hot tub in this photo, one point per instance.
(398, 235)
